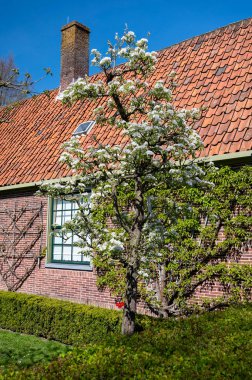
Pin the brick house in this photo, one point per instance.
(213, 69)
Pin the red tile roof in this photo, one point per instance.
(213, 70)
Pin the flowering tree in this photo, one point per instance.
(119, 226)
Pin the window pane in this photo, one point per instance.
(57, 252)
(57, 218)
(67, 205)
(76, 254)
(75, 205)
(86, 259)
(57, 204)
(57, 239)
(63, 245)
(68, 238)
(75, 239)
(66, 217)
(67, 252)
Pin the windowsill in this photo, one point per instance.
(85, 267)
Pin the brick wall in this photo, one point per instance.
(75, 285)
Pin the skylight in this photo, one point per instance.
(83, 128)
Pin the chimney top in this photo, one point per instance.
(74, 53)
(77, 24)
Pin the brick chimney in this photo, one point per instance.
(74, 53)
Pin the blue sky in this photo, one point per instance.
(30, 31)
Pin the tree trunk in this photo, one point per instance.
(129, 313)
(160, 289)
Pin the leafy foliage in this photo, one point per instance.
(211, 346)
(59, 320)
(206, 232)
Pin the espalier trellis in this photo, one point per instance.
(20, 243)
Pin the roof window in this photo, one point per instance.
(84, 128)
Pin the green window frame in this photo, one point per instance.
(61, 248)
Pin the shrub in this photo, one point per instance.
(210, 346)
(64, 321)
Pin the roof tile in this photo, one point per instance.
(213, 70)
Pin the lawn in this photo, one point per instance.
(211, 346)
(21, 351)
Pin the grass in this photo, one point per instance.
(211, 346)
(21, 351)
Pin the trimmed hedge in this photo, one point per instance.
(67, 322)
(214, 345)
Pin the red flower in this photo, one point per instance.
(119, 304)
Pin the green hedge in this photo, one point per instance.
(67, 322)
(210, 346)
